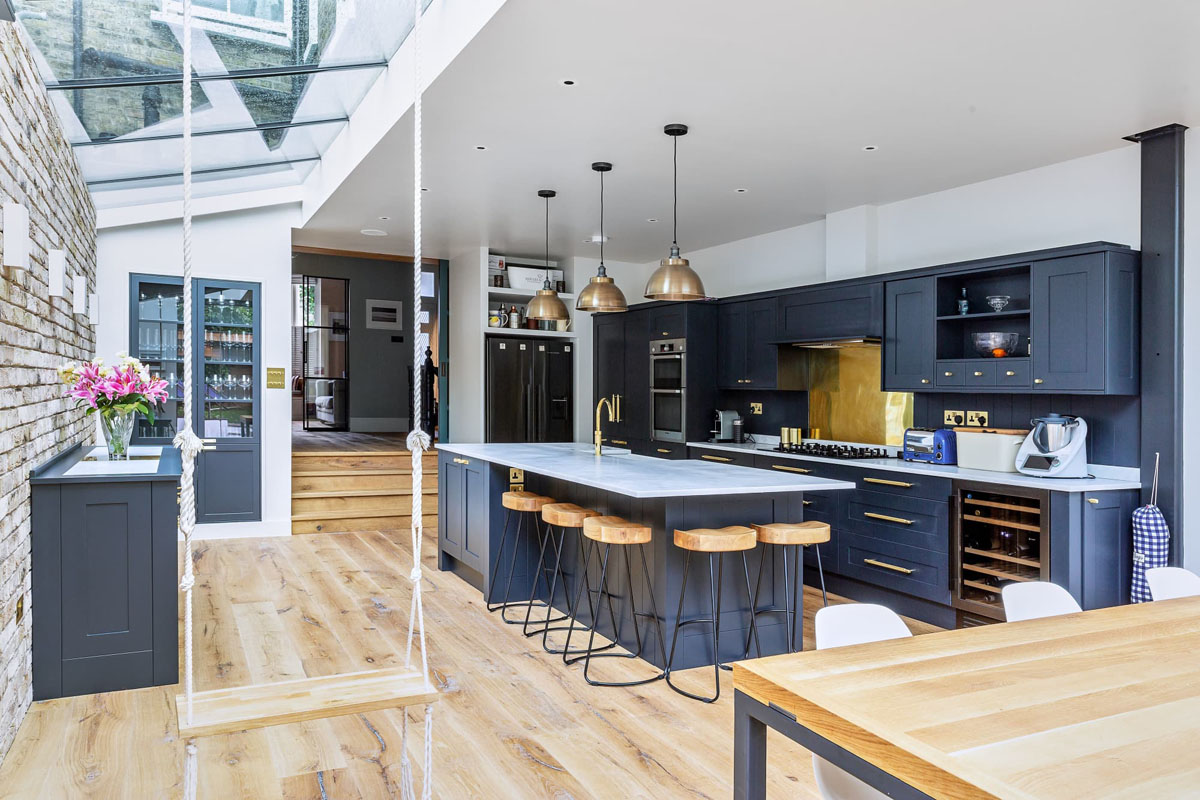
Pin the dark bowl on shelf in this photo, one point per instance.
(994, 344)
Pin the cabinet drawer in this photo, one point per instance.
(1014, 374)
(824, 504)
(907, 520)
(904, 483)
(792, 465)
(949, 373)
(662, 450)
(722, 456)
(979, 372)
(901, 568)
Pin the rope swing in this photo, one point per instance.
(265, 705)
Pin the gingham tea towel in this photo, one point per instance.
(1151, 542)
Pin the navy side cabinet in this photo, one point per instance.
(103, 577)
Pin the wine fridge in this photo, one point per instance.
(998, 536)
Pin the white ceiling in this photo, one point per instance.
(781, 96)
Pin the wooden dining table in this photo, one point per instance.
(1102, 703)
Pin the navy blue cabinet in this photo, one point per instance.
(908, 340)
(463, 510)
(836, 313)
(1084, 324)
(745, 332)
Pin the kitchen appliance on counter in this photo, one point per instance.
(1055, 448)
(668, 390)
(825, 450)
(931, 445)
(992, 449)
(723, 426)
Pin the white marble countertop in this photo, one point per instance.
(1101, 483)
(640, 476)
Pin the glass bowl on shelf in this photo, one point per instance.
(995, 344)
(998, 302)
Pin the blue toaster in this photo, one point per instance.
(935, 446)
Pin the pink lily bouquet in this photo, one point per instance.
(117, 393)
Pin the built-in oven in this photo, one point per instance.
(668, 388)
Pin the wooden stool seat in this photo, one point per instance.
(614, 530)
(717, 540)
(567, 515)
(524, 501)
(787, 533)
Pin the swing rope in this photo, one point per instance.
(190, 445)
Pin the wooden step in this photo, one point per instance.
(368, 523)
(264, 705)
(358, 480)
(360, 503)
(388, 459)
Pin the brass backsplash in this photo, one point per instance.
(844, 400)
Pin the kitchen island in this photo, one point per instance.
(666, 495)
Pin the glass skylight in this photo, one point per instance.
(274, 82)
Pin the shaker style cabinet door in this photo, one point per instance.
(909, 332)
(608, 367)
(761, 357)
(731, 339)
(1068, 324)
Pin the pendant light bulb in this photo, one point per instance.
(601, 295)
(546, 304)
(675, 279)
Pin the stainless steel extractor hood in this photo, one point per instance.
(839, 344)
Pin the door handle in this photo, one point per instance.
(1010, 373)
(886, 518)
(806, 502)
(885, 482)
(924, 380)
(790, 469)
(208, 444)
(978, 374)
(462, 461)
(886, 565)
(619, 441)
(663, 450)
(1038, 380)
(1093, 500)
(949, 374)
(716, 458)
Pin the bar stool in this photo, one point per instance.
(524, 504)
(561, 516)
(796, 536)
(716, 542)
(610, 531)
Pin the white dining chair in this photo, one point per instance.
(840, 626)
(1167, 583)
(1036, 599)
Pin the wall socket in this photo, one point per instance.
(756, 408)
(953, 418)
(977, 419)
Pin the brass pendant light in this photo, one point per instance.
(675, 279)
(546, 304)
(601, 295)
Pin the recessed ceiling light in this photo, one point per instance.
(741, 191)
(423, 189)
(652, 219)
(372, 232)
(568, 82)
(385, 219)
(480, 147)
(869, 148)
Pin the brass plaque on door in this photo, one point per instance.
(275, 377)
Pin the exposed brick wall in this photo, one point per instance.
(37, 334)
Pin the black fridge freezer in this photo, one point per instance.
(528, 395)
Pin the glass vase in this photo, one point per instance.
(118, 430)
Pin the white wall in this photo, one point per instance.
(468, 307)
(251, 245)
(790, 257)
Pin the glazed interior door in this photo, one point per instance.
(324, 310)
(156, 330)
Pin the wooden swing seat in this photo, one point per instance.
(264, 705)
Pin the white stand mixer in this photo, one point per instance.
(1055, 448)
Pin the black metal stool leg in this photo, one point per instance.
(496, 567)
(687, 563)
(516, 543)
(796, 642)
(592, 652)
(751, 596)
(541, 573)
(821, 575)
(571, 656)
(762, 563)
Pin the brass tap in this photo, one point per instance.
(614, 404)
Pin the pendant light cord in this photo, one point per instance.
(601, 219)
(547, 268)
(675, 199)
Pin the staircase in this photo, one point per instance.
(334, 492)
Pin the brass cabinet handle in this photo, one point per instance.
(666, 333)
(748, 380)
(886, 518)
(461, 461)
(1010, 373)
(619, 441)
(1038, 380)
(716, 458)
(885, 482)
(886, 565)
(663, 450)
(790, 469)
(924, 380)
(949, 374)
(806, 502)
(1093, 500)
(978, 374)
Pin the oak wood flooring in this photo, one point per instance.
(514, 722)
